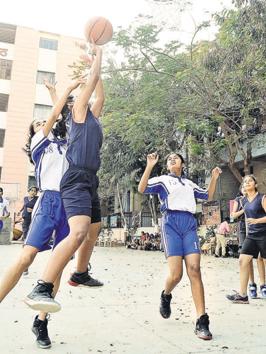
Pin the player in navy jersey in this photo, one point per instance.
(81, 276)
(78, 186)
(254, 206)
(177, 196)
(238, 213)
(48, 216)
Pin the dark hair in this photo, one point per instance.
(28, 142)
(175, 153)
(33, 187)
(1, 190)
(182, 160)
(254, 179)
(59, 132)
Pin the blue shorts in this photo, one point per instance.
(49, 224)
(79, 193)
(179, 233)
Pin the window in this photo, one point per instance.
(47, 43)
(31, 182)
(7, 33)
(41, 111)
(2, 137)
(45, 75)
(3, 102)
(5, 69)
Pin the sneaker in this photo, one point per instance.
(41, 298)
(263, 291)
(252, 290)
(84, 279)
(39, 328)
(216, 256)
(202, 327)
(238, 299)
(165, 308)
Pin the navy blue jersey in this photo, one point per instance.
(28, 203)
(255, 210)
(84, 143)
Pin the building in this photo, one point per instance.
(27, 57)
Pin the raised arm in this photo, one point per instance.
(81, 102)
(212, 185)
(99, 99)
(59, 106)
(152, 159)
(52, 91)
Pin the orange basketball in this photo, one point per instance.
(99, 29)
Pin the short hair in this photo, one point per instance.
(1, 189)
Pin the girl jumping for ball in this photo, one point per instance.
(48, 217)
(177, 195)
(78, 186)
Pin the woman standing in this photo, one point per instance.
(254, 205)
(28, 205)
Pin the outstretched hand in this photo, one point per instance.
(74, 84)
(49, 85)
(216, 172)
(152, 159)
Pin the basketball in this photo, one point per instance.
(99, 29)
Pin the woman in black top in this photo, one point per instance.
(254, 205)
(28, 205)
(238, 213)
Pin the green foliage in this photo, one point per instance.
(161, 99)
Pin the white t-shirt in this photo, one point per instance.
(4, 204)
(176, 193)
(49, 157)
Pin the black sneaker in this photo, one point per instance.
(202, 327)
(39, 328)
(41, 298)
(84, 279)
(238, 299)
(165, 308)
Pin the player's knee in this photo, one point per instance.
(79, 235)
(26, 260)
(176, 277)
(193, 271)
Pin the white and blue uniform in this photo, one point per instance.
(48, 216)
(177, 196)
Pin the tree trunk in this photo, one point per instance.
(121, 208)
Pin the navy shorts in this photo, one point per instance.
(179, 233)
(79, 193)
(49, 224)
(253, 247)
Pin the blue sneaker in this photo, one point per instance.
(252, 289)
(263, 291)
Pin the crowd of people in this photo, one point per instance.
(146, 242)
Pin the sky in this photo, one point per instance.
(69, 17)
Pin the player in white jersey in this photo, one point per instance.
(48, 217)
(177, 196)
